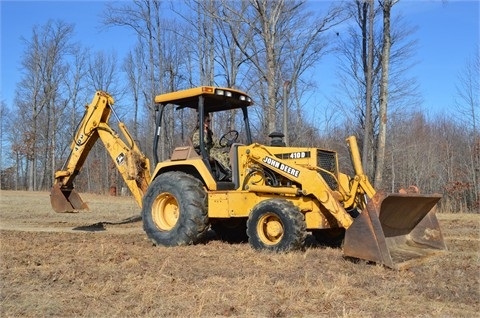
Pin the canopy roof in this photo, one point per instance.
(215, 98)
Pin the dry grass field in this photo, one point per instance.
(91, 265)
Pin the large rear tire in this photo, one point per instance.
(175, 210)
(276, 225)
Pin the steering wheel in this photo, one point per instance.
(228, 138)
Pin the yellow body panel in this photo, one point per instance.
(226, 204)
(188, 165)
(298, 166)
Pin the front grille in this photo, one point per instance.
(327, 160)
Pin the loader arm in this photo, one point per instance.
(129, 160)
(396, 230)
(312, 183)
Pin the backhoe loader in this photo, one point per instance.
(273, 195)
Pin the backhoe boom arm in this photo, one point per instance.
(129, 160)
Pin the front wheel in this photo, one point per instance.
(276, 225)
(175, 210)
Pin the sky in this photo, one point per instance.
(448, 34)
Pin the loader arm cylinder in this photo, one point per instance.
(360, 178)
(355, 155)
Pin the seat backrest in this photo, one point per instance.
(183, 153)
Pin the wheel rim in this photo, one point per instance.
(165, 211)
(270, 229)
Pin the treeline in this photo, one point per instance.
(268, 49)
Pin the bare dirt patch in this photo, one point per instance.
(101, 264)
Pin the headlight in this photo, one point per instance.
(220, 92)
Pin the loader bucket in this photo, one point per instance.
(66, 200)
(398, 230)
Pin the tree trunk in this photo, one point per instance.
(382, 131)
(367, 14)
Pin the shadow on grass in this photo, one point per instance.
(100, 226)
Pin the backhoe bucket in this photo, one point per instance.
(66, 200)
(398, 230)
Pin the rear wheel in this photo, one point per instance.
(175, 210)
(276, 225)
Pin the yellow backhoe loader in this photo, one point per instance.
(273, 196)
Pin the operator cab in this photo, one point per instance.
(205, 100)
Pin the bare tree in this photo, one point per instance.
(75, 95)
(143, 17)
(226, 60)
(103, 73)
(386, 6)
(365, 67)
(202, 38)
(304, 49)
(133, 68)
(38, 93)
(357, 61)
(467, 101)
(4, 127)
(352, 54)
(283, 40)
(175, 78)
(467, 106)
(366, 20)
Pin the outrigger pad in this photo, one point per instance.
(66, 200)
(395, 230)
